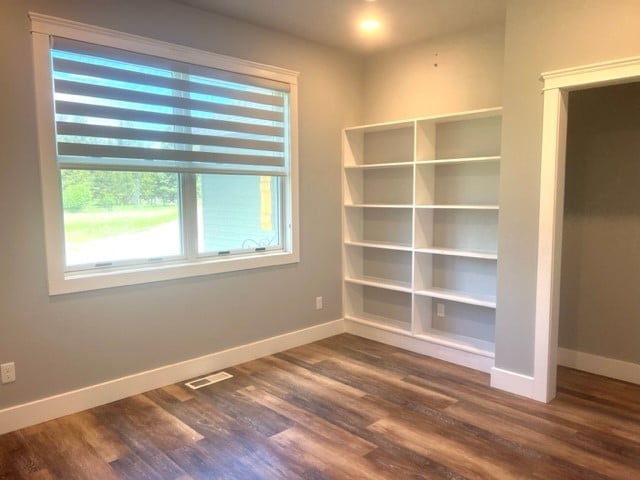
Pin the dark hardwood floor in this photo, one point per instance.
(342, 408)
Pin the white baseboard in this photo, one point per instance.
(20, 416)
(512, 382)
(418, 345)
(609, 367)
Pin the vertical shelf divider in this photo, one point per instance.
(416, 142)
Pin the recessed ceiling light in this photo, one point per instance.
(369, 24)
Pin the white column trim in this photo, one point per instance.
(549, 241)
(512, 382)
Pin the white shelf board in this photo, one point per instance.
(382, 245)
(449, 117)
(377, 205)
(468, 115)
(382, 323)
(488, 301)
(376, 127)
(455, 252)
(373, 166)
(459, 207)
(441, 161)
(459, 342)
(387, 284)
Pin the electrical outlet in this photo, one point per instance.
(318, 303)
(8, 372)
(440, 309)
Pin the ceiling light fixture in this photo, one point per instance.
(369, 24)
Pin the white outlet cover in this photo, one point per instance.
(8, 372)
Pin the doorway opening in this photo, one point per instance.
(557, 88)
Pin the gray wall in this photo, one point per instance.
(599, 294)
(453, 73)
(66, 342)
(77, 340)
(541, 35)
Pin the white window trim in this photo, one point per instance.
(42, 27)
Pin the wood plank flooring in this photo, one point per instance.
(342, 408)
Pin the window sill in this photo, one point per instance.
(98, 279)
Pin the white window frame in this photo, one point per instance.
(61, 281)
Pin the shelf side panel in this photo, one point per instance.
(353, 187)
(352, 261)
(425, 185)
(423, 313)
(424, 228)
(353, 225)
(425, 140)
(352, 148)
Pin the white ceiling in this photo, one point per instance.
(335, 22)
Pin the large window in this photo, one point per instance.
(160, 161)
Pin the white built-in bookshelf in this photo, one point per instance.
(420, 223)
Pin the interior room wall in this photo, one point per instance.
(66, 342)
(71, 341)
(599, 302)
(540, 36)
(452, 73)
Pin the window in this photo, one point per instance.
(160, 161)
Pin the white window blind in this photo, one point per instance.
(116, 109)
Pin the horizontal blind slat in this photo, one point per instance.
(84, 130)
(115, 74)
(156, 100)
(126, 115)
(117, 151)
(138, 165)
